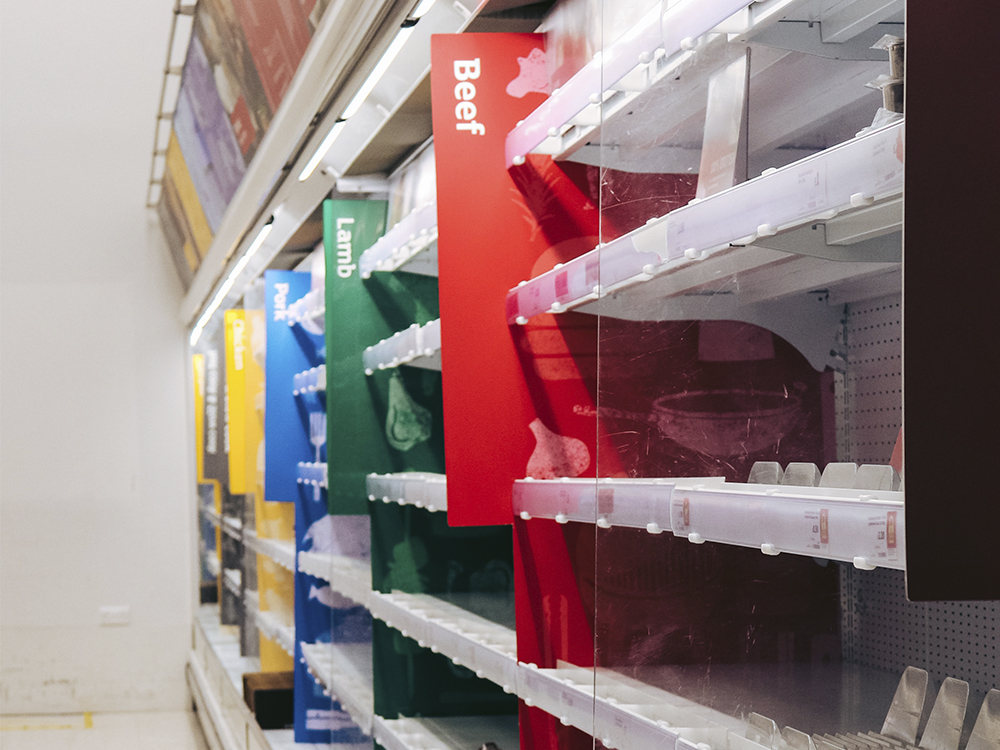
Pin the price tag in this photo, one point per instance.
(878, 537)
(562, 285)
(681, 520)
(818, 524)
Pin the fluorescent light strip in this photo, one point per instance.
(324, 147)
(422, 7)
(376, 75)
(366, 89)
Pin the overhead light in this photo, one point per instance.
(422, 7)
(230, 280)
(366, 88)
(322, 151)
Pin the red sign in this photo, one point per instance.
(518, 401)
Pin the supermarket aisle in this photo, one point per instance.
(153, 730)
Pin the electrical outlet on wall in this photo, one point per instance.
(115, 614)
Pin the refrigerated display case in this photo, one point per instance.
(638, 475)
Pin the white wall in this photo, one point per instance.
(95, 468)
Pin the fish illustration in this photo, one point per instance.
(330, 598)
(340, 535)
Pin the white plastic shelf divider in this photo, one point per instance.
(347, 576)
(281, 551)
(411, 245)
(635, 503)
(449, 733)
(624, 713)
(233, 580)
(308, 310)
(864, 527)
(214, 518)
(483, 646)
(213, 564)
(271, 627)
(660, 34)
(233, 527)
(344, 672)
(851, 176)
(422, 489)
(312, 380)
(417, 346)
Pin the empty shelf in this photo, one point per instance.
(842, 201)
(344, 670)
(280, 550)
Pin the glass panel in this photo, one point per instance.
(748, 592)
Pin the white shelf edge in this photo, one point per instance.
(281, 551)
(856, 174)
(214, 518)
(860, 526)
(315, 473)
(309, 308)
(308, 381)
(233, 527)
(271, 627)
(660, 35)
(483, 646)
(341, 681)
(863, 527)
(417, 346)
(213, 563)
(346, 575)
(420, 489)
(625, 713)
(411, 236)
(633, 503)
(207, 698)
(232, 579)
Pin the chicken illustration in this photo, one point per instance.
(556, 456)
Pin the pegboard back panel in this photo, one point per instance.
(872, 408)
(881, 628)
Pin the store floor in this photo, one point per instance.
(154, 730)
